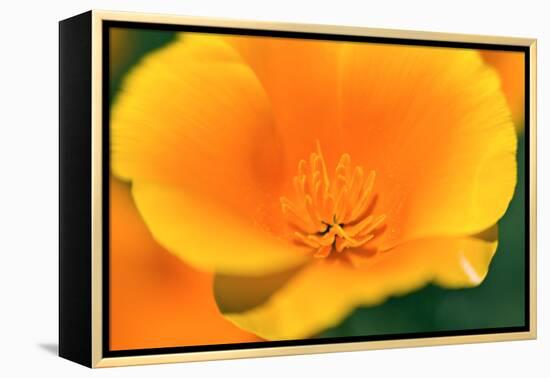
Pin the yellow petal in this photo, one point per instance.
(209, 236)
(155, 299)
(473, 257)
(192, 114)
(322, 294)
(193, 131)
(434, 125)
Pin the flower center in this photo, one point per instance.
(331, 215)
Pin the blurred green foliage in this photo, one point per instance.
(142, 41)
(497, 302)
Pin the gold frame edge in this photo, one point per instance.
(97, 196)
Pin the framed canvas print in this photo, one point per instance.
(236, 189)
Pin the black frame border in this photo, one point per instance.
(107, 24)
(75, 182)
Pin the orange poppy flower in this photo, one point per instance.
(313, 177)
(156, 300)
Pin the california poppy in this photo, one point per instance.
(313, 177)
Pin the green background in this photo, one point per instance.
(498, 302)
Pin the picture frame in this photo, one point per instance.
(85, 120)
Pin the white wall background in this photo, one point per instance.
(29, 174)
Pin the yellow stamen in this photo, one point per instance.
(332, 216)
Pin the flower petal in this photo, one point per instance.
(239, 294)
(511, 68)
(193, 121)
(473, 257)
(301, 78)
(322, 294)
(210, 237)
(155, 299)
(193, 114)
(434, 125)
